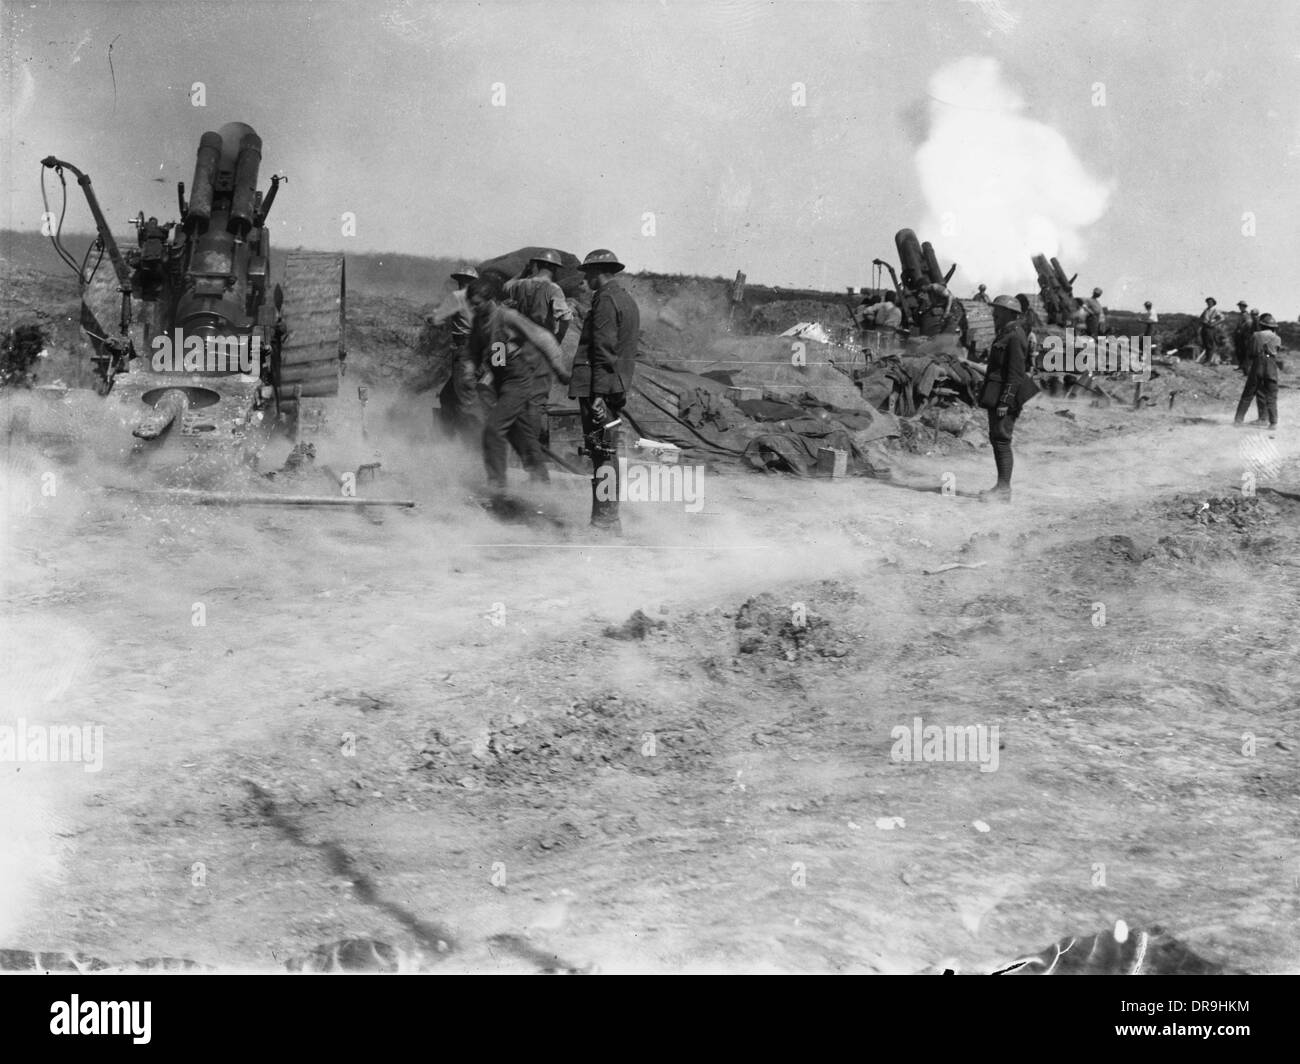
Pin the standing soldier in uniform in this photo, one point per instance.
(1007, 387)
(1260, 415)
(982, 296)
(1241, 335)
(459, 404)
(1261, 378)
(602, 378)
(519, 357)
(539, 298)
(1096, 314)
(1211, 319)
(1150, 321)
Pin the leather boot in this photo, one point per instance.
(604, 512)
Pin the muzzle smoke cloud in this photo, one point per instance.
(1000, 187)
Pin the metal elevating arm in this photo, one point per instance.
(105, 235)
(905, 304)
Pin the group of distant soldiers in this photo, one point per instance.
(1256, 347)
(1211, 329)
(1008, 384)
(504, 338)
(503, 345)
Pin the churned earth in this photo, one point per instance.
(451, 731)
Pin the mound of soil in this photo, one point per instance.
(602, 732)
(637, 626)
(1240, 513)
(770, 628)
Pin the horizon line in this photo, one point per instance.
(430, 257)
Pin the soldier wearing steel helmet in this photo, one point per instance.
(1262, 374)
(1241, 334)
(517, 358)
(460, 408)
(602, 378)
(1007, 387)
(539, 298)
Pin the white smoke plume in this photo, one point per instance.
(1000, 187)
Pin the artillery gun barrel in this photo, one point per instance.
(911, 259)
(205, 174)
(248, 162)
(932, 263)
(171, 405)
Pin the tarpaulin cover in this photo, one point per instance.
(673, 405)
(513, 263)
(913, 378)
(782, 368)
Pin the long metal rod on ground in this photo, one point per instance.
(234, 498)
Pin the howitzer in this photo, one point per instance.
(1056, 290)
(222, 347)
(924, 307)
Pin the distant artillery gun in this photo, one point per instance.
(923, 315)
(929, 310)
(1055, 290)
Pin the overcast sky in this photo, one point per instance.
(1137, 139)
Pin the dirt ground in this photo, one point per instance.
(433, 728)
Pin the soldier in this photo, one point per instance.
(882, 322)
(1096, 314)
(458, 321)
(1261, 379)
(1031, 323)
(1259, 399)
(1007, 387)
(518, 357)
(936, 309)
(1241, 334)
(865, 316)
(1211, 318)
(1150, 321)
(460, 408)
(981, 296)
(539, 298)
(602, 377)
(886, 314)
